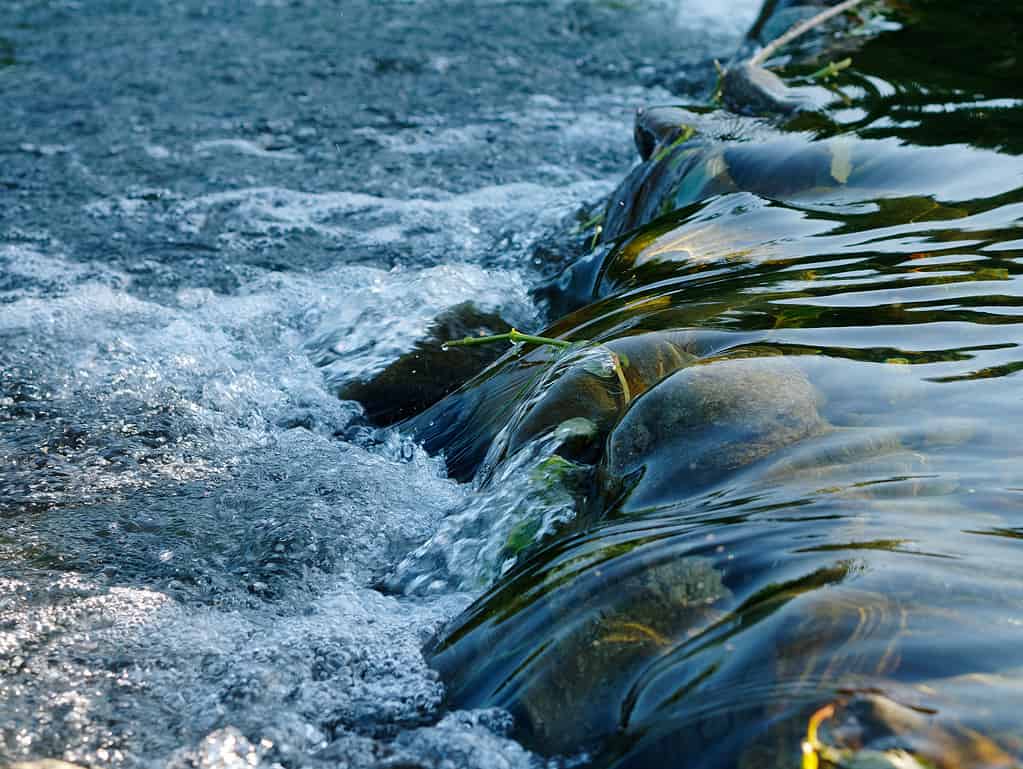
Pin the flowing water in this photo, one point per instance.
(211, 216)
(214, 215)
(814, 506)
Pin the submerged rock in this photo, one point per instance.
(694, 167)
(531, 393)
(870, 730)
(657, 128)
(596, 384)
(873, 730)
(704, 422)
(574, 705)
(566, 690)
(749, 89)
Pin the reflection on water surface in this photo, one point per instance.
(818, 505)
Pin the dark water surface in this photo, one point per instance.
(817, 501)
(212, 214)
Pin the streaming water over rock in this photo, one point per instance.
(795, 541)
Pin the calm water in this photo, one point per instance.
(211, 218)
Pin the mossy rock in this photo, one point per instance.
(532, 392)
(598, 386)
(588, 386)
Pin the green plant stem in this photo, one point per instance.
(594, 221)
(831, 70)
(686, 135)
(511, 336)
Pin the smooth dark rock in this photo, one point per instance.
(658, 127)
(533, 392)
(565, 686)
(704, 422)
(748, 89)
(423, 376)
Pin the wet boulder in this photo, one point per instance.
(686, 171)
(658, 128)
(749, 89)
(705, 422)
(699, 166)
(463, 425)
(532, 393)
(587, 384)
(596, 383)
(562, 655)
(427, 373)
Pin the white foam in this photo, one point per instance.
(729, 20)
(260, 641)
(242, 688)
(441, 223)
(36, 273)
(382, 313)
(243, 146)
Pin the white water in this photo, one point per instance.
(190, 543)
